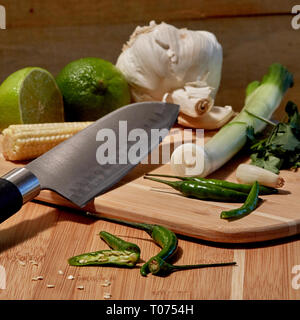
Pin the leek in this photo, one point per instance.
(262, 99)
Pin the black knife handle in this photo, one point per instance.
(16, 188)
(11, 199)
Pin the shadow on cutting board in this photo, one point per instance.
(26, 229)
(246, 245)
(29, 228)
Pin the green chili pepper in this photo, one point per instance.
(126, 254)
(263, 190)
(249, 205)
(164, 237)
(158, 266)
(204, 192)
(118, 243)
(167, 240)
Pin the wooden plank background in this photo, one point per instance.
(28, 13)
(253, 34)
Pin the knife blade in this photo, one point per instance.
(93, 160)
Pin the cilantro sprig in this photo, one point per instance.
(280, 149)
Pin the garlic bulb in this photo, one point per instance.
(182, 66)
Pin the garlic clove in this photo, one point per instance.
(194, 101)
(248, 174)
(214, 119)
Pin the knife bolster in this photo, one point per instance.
(26, 183)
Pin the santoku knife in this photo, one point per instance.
(73, 170)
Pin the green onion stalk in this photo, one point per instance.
(262, 99)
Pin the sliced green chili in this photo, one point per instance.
(200, 191)
(158, 266)
(167, 240)
(249, 205)
(263, 190)
(105, 257)
(118, 243)
(125, 254)
(161, 235)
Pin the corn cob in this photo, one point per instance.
(28, 141)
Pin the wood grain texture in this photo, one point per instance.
(50, 236)
(250, 45)
(35, 13)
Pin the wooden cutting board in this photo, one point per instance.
(137, 199)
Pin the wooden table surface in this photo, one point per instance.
(264, 270)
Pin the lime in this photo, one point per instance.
(92, 88)
(30, 95)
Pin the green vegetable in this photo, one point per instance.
(159, 266)
(125, 254)
(249, 205)
(167, 240)
(118, 243)
(245, 188)
(262, 99)
(164, 237)
(204, 192)
(281, 148)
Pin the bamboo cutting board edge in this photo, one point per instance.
(140, 200)
(277, 228)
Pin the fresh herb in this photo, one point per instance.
(281, 148)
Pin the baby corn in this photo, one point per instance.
(28, 141)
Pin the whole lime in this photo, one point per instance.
(92, 88)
